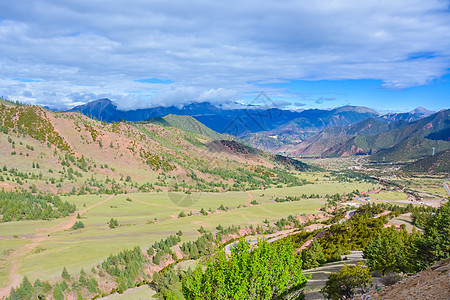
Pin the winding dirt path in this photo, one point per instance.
(42, 234)
(250, 197)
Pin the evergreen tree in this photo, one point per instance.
(434, 245)
(313, 257)
(58, 293)
(65, 275)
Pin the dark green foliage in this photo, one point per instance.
(354, 234)
(313, 257)
(394, 250)
(24, 292)
(113, 223)
(78, 225)
(168, 283)
(201, 246)
(126, 267)
(432, 163)
(65, 275)
(92, 285)
(267, 272)
(391, 250)
(342, 285)
(58, 293)
(434, 245)
(27, 206)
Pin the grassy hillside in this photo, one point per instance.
(188, 124)
(438, 163)
(71, 153)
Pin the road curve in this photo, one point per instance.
(446, 186)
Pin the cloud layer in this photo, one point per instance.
(62, 53)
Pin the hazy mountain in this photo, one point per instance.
(239, 121)
(414, 115)
(395, 141)
(332, 137)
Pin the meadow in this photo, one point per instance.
(145, 218)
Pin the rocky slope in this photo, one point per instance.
(433, 283)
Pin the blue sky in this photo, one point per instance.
(386, 55)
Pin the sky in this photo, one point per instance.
(385, 55)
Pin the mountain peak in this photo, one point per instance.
(359, 109)
(422, 111)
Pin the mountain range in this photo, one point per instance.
(239, 121)
(384, 141)
(343, 131)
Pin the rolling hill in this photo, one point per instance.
(188, 124)
(67, 152)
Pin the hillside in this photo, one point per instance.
(186, 123)
(438, 163)
(433, 283)
(71, 153)
(338, 135)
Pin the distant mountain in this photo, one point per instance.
(395, 141)
(346, 138)
(422, 111)
(234, 121)
(239, 121)
(414, 115)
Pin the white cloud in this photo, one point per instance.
(213, 50)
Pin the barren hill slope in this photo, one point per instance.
(433, 283)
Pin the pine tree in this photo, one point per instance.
(65, 275)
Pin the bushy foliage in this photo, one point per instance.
(78, 225)
(398, 251)
(265, 272)
(126, 267)
(342, 284)
(434, 244)
(27, 206)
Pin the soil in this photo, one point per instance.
(433, 283)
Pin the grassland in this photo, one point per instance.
(390, 195)
(141, 293)
(148, 217)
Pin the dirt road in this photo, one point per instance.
(446, 186)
